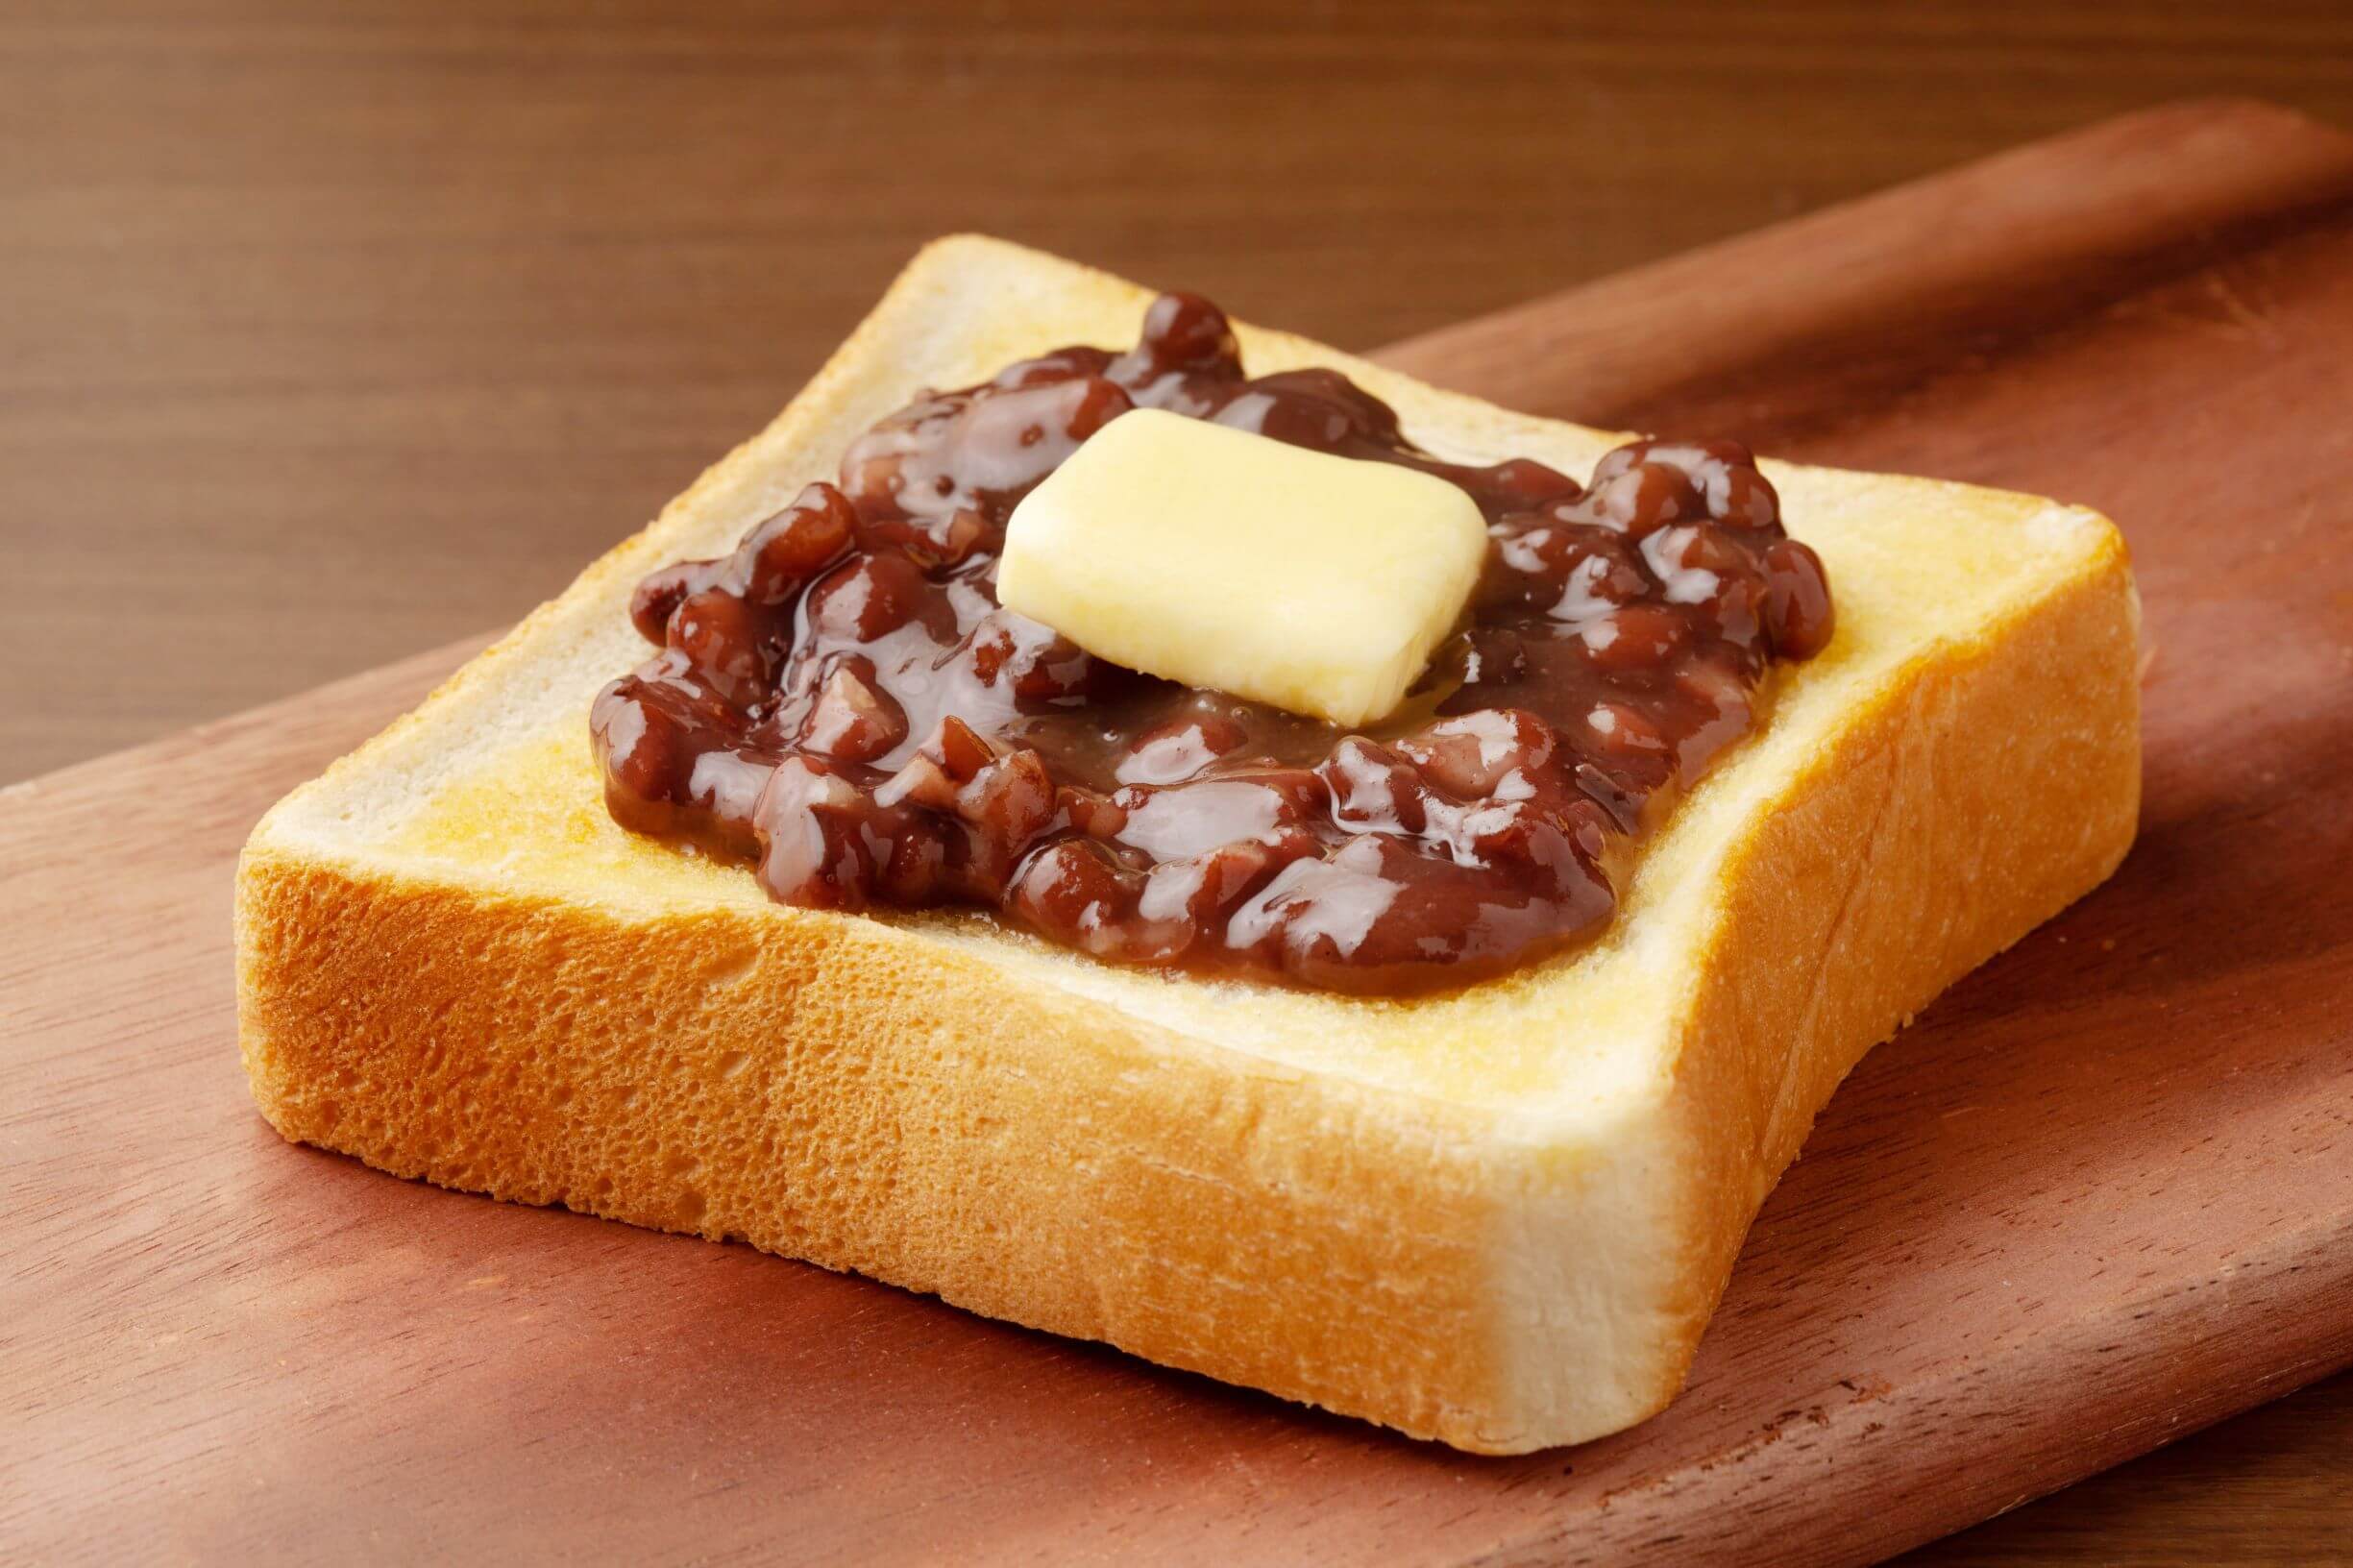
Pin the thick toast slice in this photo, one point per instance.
(1499, 1218)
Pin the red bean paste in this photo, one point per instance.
(844, 702)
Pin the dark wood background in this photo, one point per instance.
(329, 333)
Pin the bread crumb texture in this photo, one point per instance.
(1498, 1219)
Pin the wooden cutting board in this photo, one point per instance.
(2102, 1193)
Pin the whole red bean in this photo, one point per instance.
(1798, 616)
(725, 641)
(1635, 637)
(868, 598)
(1182, 329)
(658, 595)
(853, 718)
(783, 552)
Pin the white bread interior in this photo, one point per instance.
(1498, 1219)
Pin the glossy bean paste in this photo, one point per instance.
(843, 701)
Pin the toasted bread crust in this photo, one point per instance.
(874, 1098)
(853, 1099)
(2000, 785)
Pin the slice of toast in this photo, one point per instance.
(1499, 1218)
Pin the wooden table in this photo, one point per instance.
(328, 340)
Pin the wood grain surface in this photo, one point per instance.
(2101, 1195)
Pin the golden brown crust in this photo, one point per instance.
(1418, 1217)
(871, 1107)
(1997, 787)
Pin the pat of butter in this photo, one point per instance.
(1217, 557)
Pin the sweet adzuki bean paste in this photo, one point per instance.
(843, 701)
